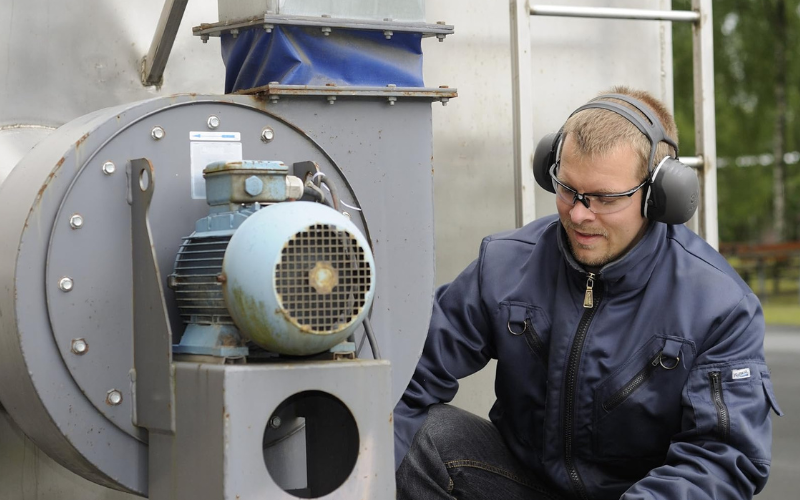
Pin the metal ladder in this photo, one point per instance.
(705, 161)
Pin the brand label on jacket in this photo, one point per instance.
(740, 374)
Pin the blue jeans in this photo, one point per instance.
(457, 455)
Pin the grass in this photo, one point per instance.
(783, 307)
(782, 310)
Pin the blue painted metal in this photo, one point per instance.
(296, 55)
(251, 273)
(228, 184)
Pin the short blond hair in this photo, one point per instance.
(597, 131)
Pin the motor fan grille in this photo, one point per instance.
(322, 278)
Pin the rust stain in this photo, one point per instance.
(222, 278)
(81, 140)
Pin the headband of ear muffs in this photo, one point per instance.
(672, 191)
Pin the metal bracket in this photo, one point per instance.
(155, 61)
(440, 30)
(274, 91)
(154, 381)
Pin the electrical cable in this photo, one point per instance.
(373, 342)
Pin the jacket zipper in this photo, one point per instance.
(637, 381)
(722, 410)
(590, 303)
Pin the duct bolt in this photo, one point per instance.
(275, 422)
(213, 121)
(76, 221)
(172, 281)
(204, 38)
(65, 284)
(268, 28)
(267, 134)
(234, 33)
(157, 133)
(388, 34)
(445, 100)
(441, 36)
(253, 186)
(79, 346)
(326, 31)
(391, 100)
(109, 168)
(113, 397)
(331, 99)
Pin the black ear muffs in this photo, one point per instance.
(673, 190)
(544, 157)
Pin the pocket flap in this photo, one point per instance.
(770, 393)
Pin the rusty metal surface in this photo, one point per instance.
(270, 20)
(277, 90)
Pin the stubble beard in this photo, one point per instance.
(596, 262)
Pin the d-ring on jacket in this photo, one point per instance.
(647, 379)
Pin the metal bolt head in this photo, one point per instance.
(267, 134)
(234, 33)
(76, 221)
(157, 133)
(253, 186)
(391, 100)
(109, 168)
(331, 99)
(113, 397)
(326, 31)
(65, 284)
(388, 34)
(212, 122)
(275, 422)
(79, 346)
(204, 38)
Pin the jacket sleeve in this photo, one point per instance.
(724, 448)
(458, 344)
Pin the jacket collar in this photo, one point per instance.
(632, 270)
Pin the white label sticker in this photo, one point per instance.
(215, 136)
(203, 153)
(742, 373)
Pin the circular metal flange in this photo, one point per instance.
(78, 408)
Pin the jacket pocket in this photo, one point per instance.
(731, 403)
(638, 407)
(522, 333)
(521, 321)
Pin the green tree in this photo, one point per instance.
(757, 103)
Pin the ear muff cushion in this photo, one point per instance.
(543, 158)
(673, 194)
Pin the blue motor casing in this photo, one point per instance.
(298, 278)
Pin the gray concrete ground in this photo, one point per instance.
(782, 346)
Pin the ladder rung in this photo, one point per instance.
(614, 13)
(693, 161)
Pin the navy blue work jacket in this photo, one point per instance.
(653, 385)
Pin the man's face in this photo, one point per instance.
(597, 239)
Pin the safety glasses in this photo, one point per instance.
(598, 203)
